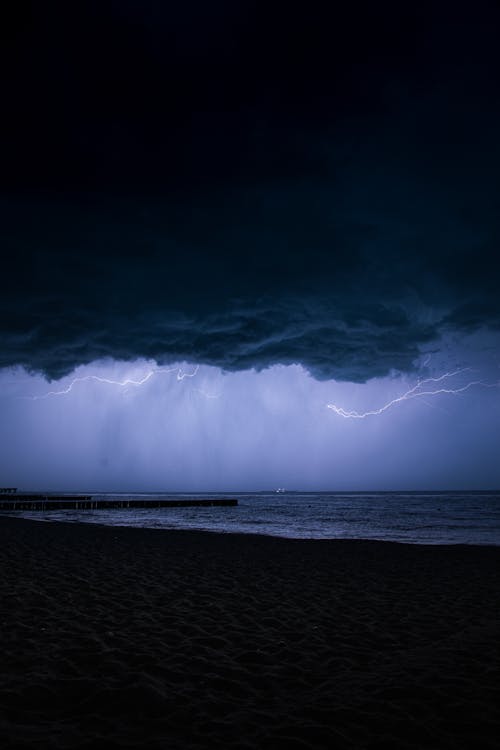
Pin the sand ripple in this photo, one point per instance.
(135, 638)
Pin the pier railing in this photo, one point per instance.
(20, 502)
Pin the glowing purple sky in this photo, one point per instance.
(197, 429)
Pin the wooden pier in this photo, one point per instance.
(20, 502)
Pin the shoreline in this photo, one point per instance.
(194, 639)
(221, 532)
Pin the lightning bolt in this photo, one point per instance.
(181, 374)
(421, 389)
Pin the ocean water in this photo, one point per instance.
(416, 518)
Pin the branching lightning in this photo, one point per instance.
(181, 374)
(422, 389)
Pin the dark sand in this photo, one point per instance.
(151, 639)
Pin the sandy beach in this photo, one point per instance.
(134, 638)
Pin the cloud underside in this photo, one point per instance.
(220, 284)
(231, 341)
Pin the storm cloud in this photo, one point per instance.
(239, 188)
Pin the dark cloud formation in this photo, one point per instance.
(241, 184)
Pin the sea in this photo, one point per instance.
(408, 517)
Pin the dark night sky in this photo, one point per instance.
(302, 200)
(241, 184)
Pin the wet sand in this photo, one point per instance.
(134, 638)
